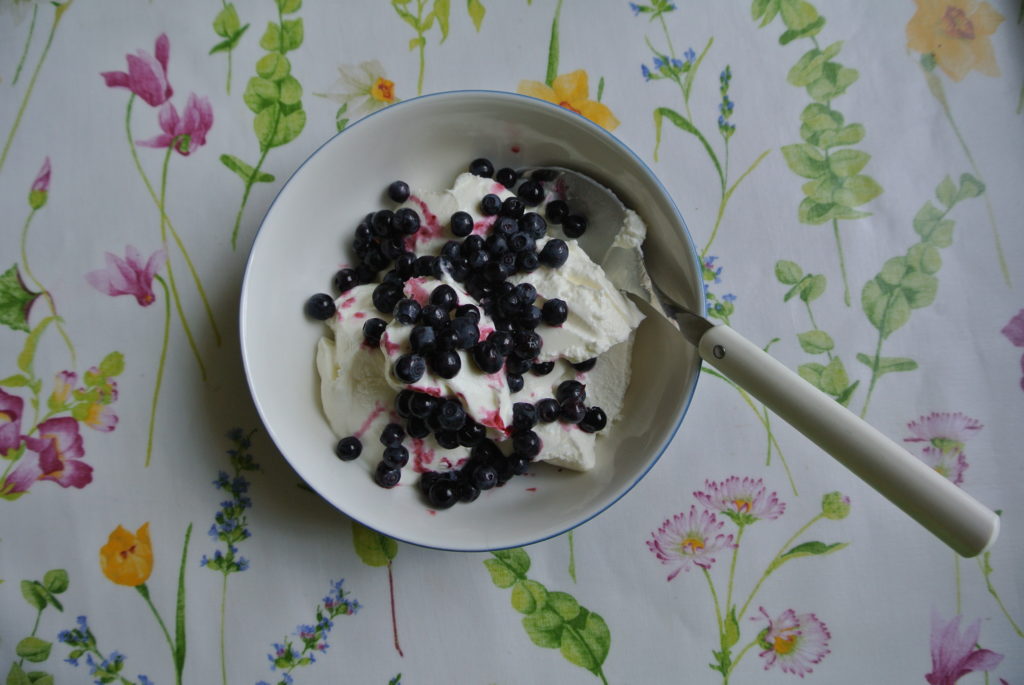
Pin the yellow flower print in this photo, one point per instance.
(956, 33)
(572, 92)
(127, 559)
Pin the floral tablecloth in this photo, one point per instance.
(851, 174)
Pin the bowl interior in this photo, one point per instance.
(305, 238)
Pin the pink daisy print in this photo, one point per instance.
(944, 435)
(795, 642)
(744, 500)
(689, 539)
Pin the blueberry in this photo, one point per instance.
(468, 311)
(393, 278)
(375, 259)
(522, 242)
(433, 316)
(573, 411)
(417, 427)
(405, 222)
(372, 330)
(508, 262)
(382, 223)
(554, 312)
(447, 439)
(445, 297)
(424, 265)
(515, 381)
(386, 476)
(407, 311)
(477, 260)
(466, 331)
(467, 492)
(459, 269)
(392, 435)
(385, 297)
(398, 191)
(528, 344)
(517, 365)
(442, 495)
(365, 273)
(496, 245)
(486, 452)
(361, 245)
(524, 416)
(574, 225)
(504, 468)
(512, 207)
(502, 289)
(473, 243)
(451, 415)
(484, 477)
(526, 292)
(509, 304)
(392, 248)
(506, 177)
(529, 318)
(554, 253)
(422, 405)
(486, 357)
(527, 262)
(320, 307)
(447, 339)
(410, 368)
(461, 224)
(518, 465)
(526, 443)
(452, 249)
(446, 364)
(363, 231)
(494, 271)
(556, 211)
(490, 204)
(402, 403)
(471, 433)
(348, 448)
(405, 265)
(506, 226)
(533, 224)
(542, 368)
(428, 479)
(395, 456)
(585, 365)
(594, 420)
(345, 280)
(573, 391)
(531, 193)
(439, 266)
(423, 339)
(481, 167)
(502, 341)
(548, 409)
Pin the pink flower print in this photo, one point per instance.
(743, 500)
(945, 434)
(128, 276)
(187, 132)
(955, 655)
(63, 385)
(689, 539)
(949, 464)
(147, 76)
(11, 407)
(100, 417)
(1014, 332)
(60, 451)
(795, 642)
(40, 187)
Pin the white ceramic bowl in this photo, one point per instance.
(306, 235)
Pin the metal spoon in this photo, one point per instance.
(948, 512)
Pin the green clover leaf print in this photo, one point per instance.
(227, 25)
(552, 619)
(40, 595)
(274, 95)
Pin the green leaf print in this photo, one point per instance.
(888, 364)
(553, 619)
(28, 353)
(816, 342)
(17, 676)
(15, 300)
(244, 170)
(809, 549)
(33, 649)
(476, 11)
(372, 547)
(33, 594)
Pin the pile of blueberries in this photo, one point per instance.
(442, 326)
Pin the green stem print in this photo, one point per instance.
(835, 186)
(34, 649)
(903, 284)
(693, 539)
(230, 29)
(230, 525)
(378, 550)
(421, 23)
(939, 92)
(176, 643)
(985, 566)
(166, 225)
(159, 369)
(58, 322)
(552, 619)
(58, 13)
(274, 95)
(28, 44)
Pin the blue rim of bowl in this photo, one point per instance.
(600, 132)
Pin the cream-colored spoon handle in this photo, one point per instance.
(951, 514)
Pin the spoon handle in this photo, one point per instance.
(948, 512)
